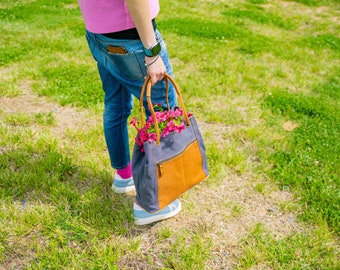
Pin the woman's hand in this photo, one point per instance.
(155, 68)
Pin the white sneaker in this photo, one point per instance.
(143, 217)
(121, 185)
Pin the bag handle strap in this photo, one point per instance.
(147, 88)
(141, 99)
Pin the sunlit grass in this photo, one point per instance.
(245, 68)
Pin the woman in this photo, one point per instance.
(124, 40)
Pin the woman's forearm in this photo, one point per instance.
(140, 13)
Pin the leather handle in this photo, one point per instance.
(141, 99)
(147, 86)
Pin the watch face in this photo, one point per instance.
(156, 49)
(153, 51)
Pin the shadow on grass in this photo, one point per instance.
(208, 30)
(56, 213)
(78, 195)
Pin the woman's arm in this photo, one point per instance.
(140, 13)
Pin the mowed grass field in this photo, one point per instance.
(262, 78)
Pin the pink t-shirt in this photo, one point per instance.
(106, 16)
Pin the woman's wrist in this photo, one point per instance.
(150, 60)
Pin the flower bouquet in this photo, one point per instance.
(168, 121)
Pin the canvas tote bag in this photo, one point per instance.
(169, 166)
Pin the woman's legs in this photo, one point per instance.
(118, 104)
(122, 76)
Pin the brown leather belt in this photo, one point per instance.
(127, 34)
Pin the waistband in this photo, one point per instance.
(127, 34)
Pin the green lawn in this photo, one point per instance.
(263, 79)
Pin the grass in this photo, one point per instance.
(262, 78)
(311, 158)
(262, 249)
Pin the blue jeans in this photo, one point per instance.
(122, 77)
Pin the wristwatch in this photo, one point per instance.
(154, 50)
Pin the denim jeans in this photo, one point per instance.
(122, 77)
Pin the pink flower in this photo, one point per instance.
(134, 122)
(168, 121)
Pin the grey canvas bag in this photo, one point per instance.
(169, 166)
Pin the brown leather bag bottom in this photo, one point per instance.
(172, 182)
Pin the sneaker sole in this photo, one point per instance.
(152, 219)
(123, 189)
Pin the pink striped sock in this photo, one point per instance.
(125, 172)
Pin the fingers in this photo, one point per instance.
(156, 70)
(156, 77)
